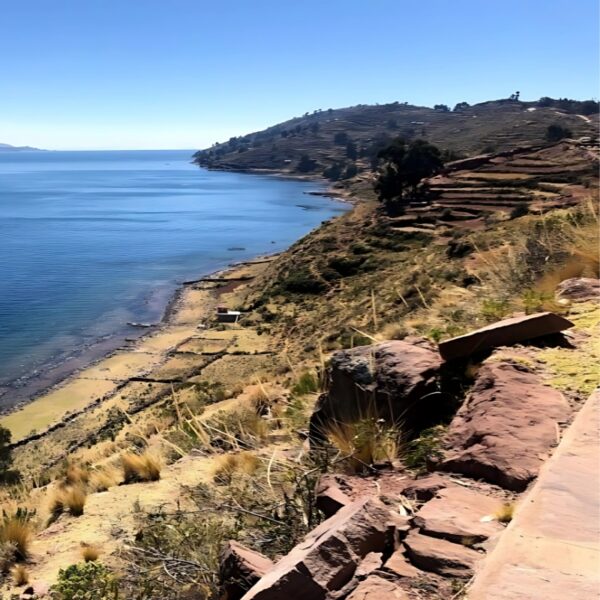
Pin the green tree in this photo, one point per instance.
(461, 106)
(404, 168)
(306, 164)
(556, 132)
(351, 151)
(340, 138)
(441, 107)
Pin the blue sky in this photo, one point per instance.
(84, 74)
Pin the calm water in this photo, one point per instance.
(92, 240)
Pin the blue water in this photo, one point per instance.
(92, 240)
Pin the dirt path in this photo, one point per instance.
(551, 549)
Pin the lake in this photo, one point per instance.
(90, 241)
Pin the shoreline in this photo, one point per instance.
(181, 317)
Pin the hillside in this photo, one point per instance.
(350, 137)
(218, 416)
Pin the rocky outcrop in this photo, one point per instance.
(329, 497)
(459, 515)
(506, 427)
(579, 289)
(503, 333)
(440, 556)
(392, 381)
(329, 556)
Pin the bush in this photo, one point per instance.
(89, 553)
(424, 449)
(520, 210)
(85, 581)
(303, 281)
(307, 383)
(20, 575)
(16, 531)
(556, 132)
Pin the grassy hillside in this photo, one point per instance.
(348, 138)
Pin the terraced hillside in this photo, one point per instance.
(349, 137)
(534, 179)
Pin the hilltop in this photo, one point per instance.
(338, 143)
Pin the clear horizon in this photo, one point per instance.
(104, 75)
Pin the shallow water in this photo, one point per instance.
(92, 240)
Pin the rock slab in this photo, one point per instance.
(503, 333)
(377, 588)
(240, 569)
(328, 557)
(459, 515)
(506, 427)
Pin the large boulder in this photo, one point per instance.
(506, 427)
(395, 381)
(329, 556)
(378, 588)
(240, 569)
(579, 289)
(503, 333)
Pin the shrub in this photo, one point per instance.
(7, 475)
(71, 498)
(520, 210)
(140, 467)
(85, 581)
(307, 383)
(556, 132)
(303, 281)
(424, 449)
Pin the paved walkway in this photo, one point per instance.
(551, 549)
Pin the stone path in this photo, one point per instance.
(551, 549)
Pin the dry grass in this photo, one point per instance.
(505, 513)
(20, 575)
(366, 442)
(140, 467)
(104, 478)
(72, 499)
(89, 552)
(76, 475)
(17, 532)
(229, 465)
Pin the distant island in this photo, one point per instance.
(9, 148)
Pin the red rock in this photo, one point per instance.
(329, 496)
(240, 569)
(328, 557)
(503, 333)
(394, 380)
(425, 488)
(456, 514)
(368, 564)
(506, 427)
(440, 556)
(579, 289)
(377, 588)
(398, 565)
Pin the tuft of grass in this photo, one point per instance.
(393, 331)
(426, 448)
(140, 467)
(72, 499)
(505, 513)
(229, 465)
(366, 442)
(20, 575)
(104, 478)
(89, 552)
(17, 531)
(76, 475)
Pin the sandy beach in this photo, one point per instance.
(149, 356)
